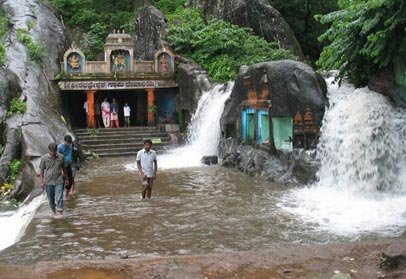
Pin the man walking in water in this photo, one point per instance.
(65, 149)
(147, 168)
(51, 171)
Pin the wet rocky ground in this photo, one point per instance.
(363, 260)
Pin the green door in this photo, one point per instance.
(283, 132)
(264, 127)
(250, 127)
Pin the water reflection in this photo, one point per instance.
(192, 211)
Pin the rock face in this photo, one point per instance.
(297, 167)
(292, 85)
(27, 136)
(193, 80)
(265, 20)
(151, 33)
(385, 83)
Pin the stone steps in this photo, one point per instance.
(121, 141)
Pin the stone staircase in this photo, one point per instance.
(121, 141)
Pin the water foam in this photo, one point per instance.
(361, 184)
(13, 223)
(204, 131)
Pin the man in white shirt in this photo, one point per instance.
(147, 168)
(127, 112)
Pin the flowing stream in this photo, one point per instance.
(361, 184)
(203, 132)
(195, 209)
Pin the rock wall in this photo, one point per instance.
(27, 136)
(387, 83)
(151, 33)
(297, 167)
(193, 80)
(263, 19)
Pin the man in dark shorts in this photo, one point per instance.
(65, 149)
(147, 168)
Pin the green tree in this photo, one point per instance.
(4, 21)
(96, 38)
(168, 6)
(364, 37)
(16, 106)
(96, 18)
(220, 47)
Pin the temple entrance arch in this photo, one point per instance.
(137, 100)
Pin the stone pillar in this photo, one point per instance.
(151, 107)
(90, 108)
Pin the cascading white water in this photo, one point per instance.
(13, 223)
(203, 132)
(361, 184)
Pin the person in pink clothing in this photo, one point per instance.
(105, 109)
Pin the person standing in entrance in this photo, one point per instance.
(97, 113)
(127, 113)
(147, 168)
(51, 172)
(65, 149)
(105, 110)
(114, 114)
(86, 108)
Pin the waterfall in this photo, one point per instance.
(204, 131)
(13, 223)
(361, 185)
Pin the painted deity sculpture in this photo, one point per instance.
(74, 61)
(164, 63)
(119, 62)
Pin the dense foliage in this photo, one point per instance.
(36, 51)
(16, 106)
(8, 186)
(3, 29)
(299, 14)
(365, 36)
(220, 47)
(168, 7)
(96, 18)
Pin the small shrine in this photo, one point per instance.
(260, 123)
(305, 131)
(255, 126)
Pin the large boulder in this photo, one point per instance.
(263, 19)
(28, 135)
(193, 80)
(387, 83)
(296, 168)
(293, 86)
(151, 33)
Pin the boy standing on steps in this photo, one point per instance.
(127, 113)
(51, 171)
